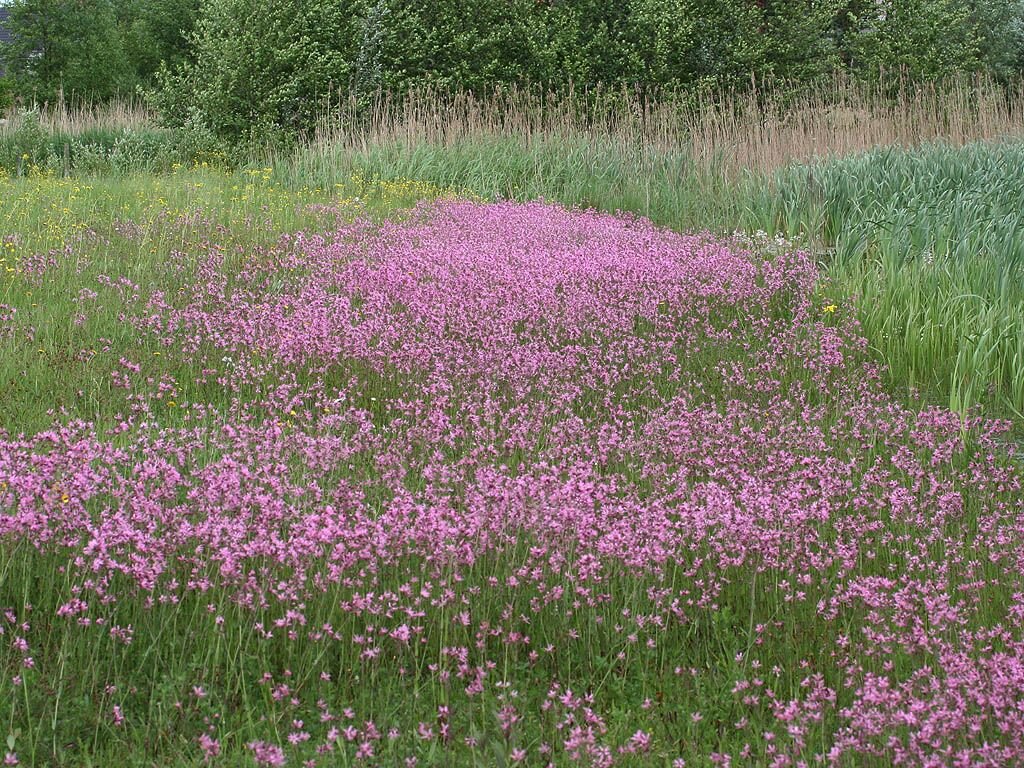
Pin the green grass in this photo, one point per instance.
(670, 187)
(178, 646)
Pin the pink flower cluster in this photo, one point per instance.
(596, 404)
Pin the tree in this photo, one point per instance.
(799, 46)
(931, 39)
(454, 44)
(691, 43)
(588, 42)
(66, 46)
(261, 68)
(156, 33)
(254, 68)
(1000, 27)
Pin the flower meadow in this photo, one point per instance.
(501, 484)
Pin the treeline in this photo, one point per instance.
(252, 68)
(93, 50)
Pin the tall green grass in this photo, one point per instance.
(930, 244)
(669, 187)
(29, 144)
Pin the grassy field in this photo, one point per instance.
(65, 238)
(368, 456)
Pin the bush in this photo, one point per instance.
(26, 145)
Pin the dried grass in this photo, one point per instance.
(80, 117)
(760, 130)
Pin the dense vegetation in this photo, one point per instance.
(246, 68)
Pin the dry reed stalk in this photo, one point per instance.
(758, 130)
(62, 117)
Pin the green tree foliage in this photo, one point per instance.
(1000, 29)
(931, 39)
(799, 43)
(66, 46)
(456, 44)
(687, 43)
(253, 67)
(262, 67)
(156, 33)
(587, 42)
